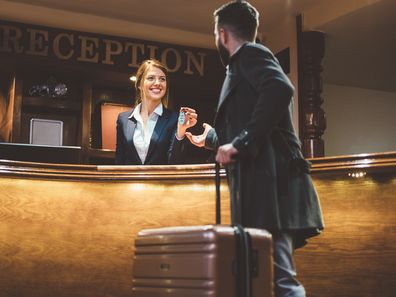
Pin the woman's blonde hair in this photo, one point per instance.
(141, 74)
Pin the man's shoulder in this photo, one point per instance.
(256, 48)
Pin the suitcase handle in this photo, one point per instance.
(237, 217)
(244, 262)
(243, 240)
(217, 181)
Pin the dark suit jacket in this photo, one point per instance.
(164, 147)
(255, 114)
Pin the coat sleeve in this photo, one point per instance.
(176, 152)
(120, 145)
(211, 140)
(274, 92)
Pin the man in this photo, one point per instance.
(253, 124)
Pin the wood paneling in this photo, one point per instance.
(68, 230)
(75, 238)
(355, 256)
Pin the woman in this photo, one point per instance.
(150, 133)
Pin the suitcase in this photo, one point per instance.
(202, 261)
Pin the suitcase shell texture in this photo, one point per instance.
(197, 261)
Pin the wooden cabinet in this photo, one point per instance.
(28, 106)
(53, 105)
(79, 111)
(101, 95)
(59, 109)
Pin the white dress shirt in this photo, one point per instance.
(142, 135)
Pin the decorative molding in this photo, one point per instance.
(106, 172)
(379, 162)
(373, 163)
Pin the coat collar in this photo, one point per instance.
(163, 115)
(231, 79)
(131, 125)
(136, 111)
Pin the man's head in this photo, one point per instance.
(237, 20)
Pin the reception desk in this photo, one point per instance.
(68, 230)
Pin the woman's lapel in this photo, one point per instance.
(157, 134)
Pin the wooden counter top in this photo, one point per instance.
(373, 163)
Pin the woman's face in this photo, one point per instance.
(154, 84)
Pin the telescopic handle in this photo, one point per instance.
(217, 180)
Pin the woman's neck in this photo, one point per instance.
(148, 107)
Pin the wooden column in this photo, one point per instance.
(7, 92)
(86, 135)
(17, 112)
(312, 116)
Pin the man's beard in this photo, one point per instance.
(224, 55)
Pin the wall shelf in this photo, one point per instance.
(51, 103)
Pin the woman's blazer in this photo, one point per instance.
(164, 147)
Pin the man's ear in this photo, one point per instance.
(223, 35)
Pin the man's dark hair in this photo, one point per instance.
(240, 17)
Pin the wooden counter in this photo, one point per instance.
(356, 254)
(68, 230)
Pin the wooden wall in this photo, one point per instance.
(68, 230)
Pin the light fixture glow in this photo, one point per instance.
(358, 174)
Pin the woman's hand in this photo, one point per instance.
(199, 140)
(187, 119)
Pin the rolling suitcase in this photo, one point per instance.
(202, 261)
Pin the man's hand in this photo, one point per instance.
(225, 153)
(199, 140)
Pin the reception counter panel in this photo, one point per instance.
(68, 230)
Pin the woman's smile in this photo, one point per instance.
(154, 85)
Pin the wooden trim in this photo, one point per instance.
(106, 172)
(64, 104)
(16, 126)
(374, 162)
(86, 136)
(101, 153)
(379, 162)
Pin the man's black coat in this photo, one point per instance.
(254, 113)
